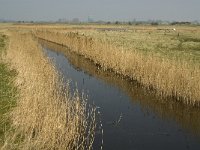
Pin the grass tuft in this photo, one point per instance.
(8, 91)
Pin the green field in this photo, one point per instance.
(166, 58)
(181, 44)
(7, 90)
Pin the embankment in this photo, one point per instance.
(46, 116)
(8, 90)
(169, 77)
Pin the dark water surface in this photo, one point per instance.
(132, 117)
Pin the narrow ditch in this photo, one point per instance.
(132, 117)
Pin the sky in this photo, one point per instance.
(107, 10)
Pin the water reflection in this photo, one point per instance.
(188, 117)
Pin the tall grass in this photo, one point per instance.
(179, 45)
(8, 92)
(162, 106)
(168, 76)
(47, 115)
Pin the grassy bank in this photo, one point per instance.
(181, 44)
(8, 90)
(47, 115)
(170, 76)
(164, 108)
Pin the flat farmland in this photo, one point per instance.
(165, 58)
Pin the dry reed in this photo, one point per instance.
(163, 107)
(168, 77)
(47, 116)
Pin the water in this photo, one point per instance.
(132, 117)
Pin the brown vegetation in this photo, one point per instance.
(162, 106)
(168, 76)
(47, 116)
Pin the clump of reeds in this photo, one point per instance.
(169, 77)
(47, 115)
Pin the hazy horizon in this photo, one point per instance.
(106, 10)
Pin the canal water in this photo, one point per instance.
(133, 118)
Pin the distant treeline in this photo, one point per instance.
(182, 23)
(152, 23)
(134, 22)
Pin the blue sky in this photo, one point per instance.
(108, 10)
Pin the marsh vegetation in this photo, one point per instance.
(167, 62)
(44, 113)
(8, 90)
(132, 116)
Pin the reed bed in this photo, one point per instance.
(163, 42)
(47, 115)
(169, 77)
(163, 107)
